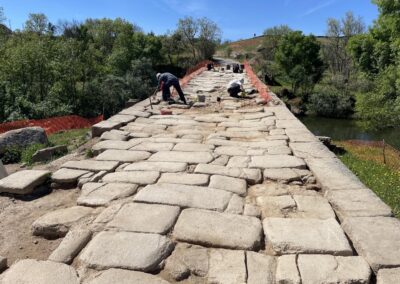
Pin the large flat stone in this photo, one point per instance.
(153, 147)
(193, 147)
(122, 276)
(216, 229)
(260, 268)
(134, 251)
(124, 119)
(251, 175)
(104, 126)
(309, 236)
(113, 145)
(23, 182)
(115, 135)
(28, 271)
(92, 165)
(286, 270)
(57, 223)
(64, 175)
(99, 194)
(333, 269)
(234, 185)
(277, 161)
(312, 207)
(388, 276)
(164, 167)
(185, 196)
(135, 112)
(145, 218)
(311, 150)
(300, 135)
(227, 267)
(123, 156)
(138, 177)
(285, 174)
(377, 239)
(183, 157)
(184, 178)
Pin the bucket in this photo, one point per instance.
(201, 98)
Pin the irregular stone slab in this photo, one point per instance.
(183, 157)
(135, 112)
(279, 150)
(153, 147)
(276, 206)
(312, 207)
(333, 175)
(251, 175)
(145, 218)
(126, 250)
(301, 135)
(278, 131)
(249, 110)
(239, 162)
(234, 185)
(311, 150)
(193, 147)
(357, 203)
(139, 177)
(310, 236)
(251, 210)
(104, 126)
(105, 216)
(71, 245)
(377, 239)
(57, 223)
(388, 276)
(122, 276)
(260, 268)
(184, 178)
(115, 135)
(277, 161)
(124, 119)
(285, 174)
(185, 196)
(331, 269)
(67, 175)
(113, 145)
(215, 229)
(286, 270)
(221, 160)
(91, 165)
(227, 266)
(44, 272)
(236, 205)
(23, 182)
(231, 151)
(187, 260)
(164, 167)
(289, 124)
(256, 115)
(103, 194)
(123, 156)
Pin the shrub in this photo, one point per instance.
(11, 155)
(28, 152)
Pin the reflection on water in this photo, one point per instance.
(342, 129)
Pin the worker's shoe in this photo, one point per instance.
(171, 101)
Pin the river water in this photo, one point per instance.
(343, 129)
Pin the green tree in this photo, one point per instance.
(299, 58)
(39, 23)
(272, 37)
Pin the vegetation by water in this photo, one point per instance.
(367, 163)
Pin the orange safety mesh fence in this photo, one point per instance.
(263, 89)
(53, 124)
(194, 71)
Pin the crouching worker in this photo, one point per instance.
(165, 81)
(235, 87)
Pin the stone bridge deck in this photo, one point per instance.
(229, 192)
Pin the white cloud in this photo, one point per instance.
(318, 7)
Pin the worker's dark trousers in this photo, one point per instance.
(166, 93)
(234, 91)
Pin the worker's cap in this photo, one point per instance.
(158, 75)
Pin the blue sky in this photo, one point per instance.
(237, 18)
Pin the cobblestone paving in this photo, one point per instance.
(221, 192)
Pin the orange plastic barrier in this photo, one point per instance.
(194, 71)
(53, 124)
(261, 87)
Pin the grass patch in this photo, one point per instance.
(72, 138)
(383, 179)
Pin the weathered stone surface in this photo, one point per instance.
(193, 147)
(67, 175)
(301, 135)
(276, 206)
(139, 177)
(104, 126)
(333, 175)
(251, 175)
(239, 162)
(311, 236)
(331, 269)
(115, 135)
(103, 194)
(23, 182)
(135, 112)
(145, 218)
(357, 203)
(260, 268)
(22, 137)
(231, 151)
(377, 239)
(289, 124)
(57, 223)
(285, 174)
(124, 119)
(183, 157)
(251, 210)
(277, 161)
(226, 267)
(311, 150)
(185, 196)
(123, 156)
(44, 272)
(286, 270)
(187, 260)
(153, 147)
(91, 165)
(105, 216)
(234, 185)
(184, 178)
(122, 276)
(113, 145)
(134, 251)
(236, 205)
(312, 207)
(388, 276)
(71, 245)
(164, 167)
(215, 229)
(49, 153)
